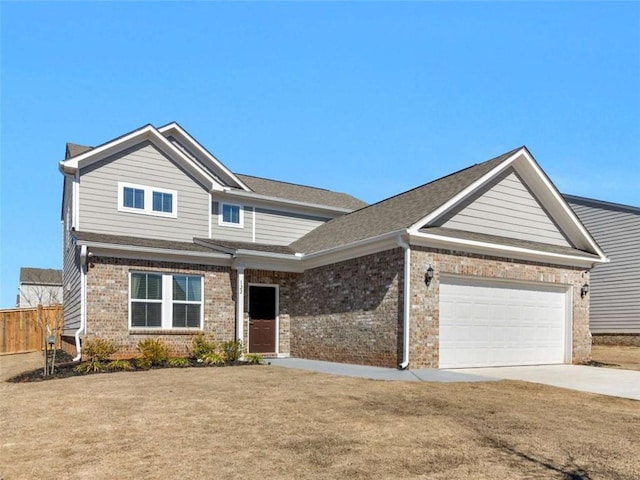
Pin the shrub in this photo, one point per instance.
(201, 347)
(124, 365)
(91, 366)
(254, 358)
(232, 350)
(98, 349)
(154, 351)
(178, 362)
(213, 358)
(143, 363)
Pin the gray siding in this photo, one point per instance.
(70, 268)
(615, 286)
(282, 228)
(507, 209)
(274, 227)
(234, 234)
(143, 165)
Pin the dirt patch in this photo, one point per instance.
(615, 356)
(266, 421)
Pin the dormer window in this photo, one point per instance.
(230, 215)
(147, 200)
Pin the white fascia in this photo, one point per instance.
(147, 132)
(360, 248)
(534, 177)
(284, 201)
(465, 193)
(485, 248)
(157, 254)
(178, 131)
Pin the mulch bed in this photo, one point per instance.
(65, 368)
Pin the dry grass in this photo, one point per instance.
(269, 422)
(615, 356)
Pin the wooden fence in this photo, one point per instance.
(21, 332)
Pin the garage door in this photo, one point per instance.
(484, 323)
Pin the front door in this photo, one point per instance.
(262, 319)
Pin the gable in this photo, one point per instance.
(505, 207)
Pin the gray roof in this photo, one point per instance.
(300, 193)
(74, 150)
(395, 213)
(511, 242)
(41, 276)
(256, 247)
(138, 242)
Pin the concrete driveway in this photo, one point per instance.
(605, 381)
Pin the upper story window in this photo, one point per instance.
(230, 215)
(147, 200)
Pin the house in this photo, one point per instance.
(615, 290)
(486, 266)
(39, 286)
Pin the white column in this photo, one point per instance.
(240, 304)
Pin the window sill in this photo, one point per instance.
(160, 331)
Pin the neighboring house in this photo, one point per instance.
(615, 286)
(39, 286)
(481, 267)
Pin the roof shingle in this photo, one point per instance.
(395, 213)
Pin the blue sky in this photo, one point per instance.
(367, 98)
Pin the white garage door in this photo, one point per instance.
(485, 323)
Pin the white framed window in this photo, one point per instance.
(230, 215)
(147, 200)
(165, 301)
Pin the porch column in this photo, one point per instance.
(240, 304)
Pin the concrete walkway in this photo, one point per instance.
(379, 373)
(605, 381)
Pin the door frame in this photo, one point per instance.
(277, 326)
(564, 288)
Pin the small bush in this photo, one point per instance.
(254, 358)
(232, 350)
(213, 358)
(98, 349)
(124, 365)
(143, 363)
(154, 351)
(178, 362)
(91, 366)
(201, 347)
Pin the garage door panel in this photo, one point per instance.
(489, 324)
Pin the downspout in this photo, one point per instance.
(83, 304)
(406, 303)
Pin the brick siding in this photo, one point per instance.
(108, 303)
(350, 312)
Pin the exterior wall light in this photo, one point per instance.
(428, 276)
(584, 290)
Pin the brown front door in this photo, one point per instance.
(262, 319)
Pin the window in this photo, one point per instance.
(165, 301)
(133, 198)
(146, 300)
(147, 200)
(162, 202)
(230, 215)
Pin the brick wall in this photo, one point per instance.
(350, 312)
(108, 303)
(425, 301)
(623, 339)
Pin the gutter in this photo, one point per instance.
(83, 304)
(268, 198)
(406, 303)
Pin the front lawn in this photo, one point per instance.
(271, 422)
